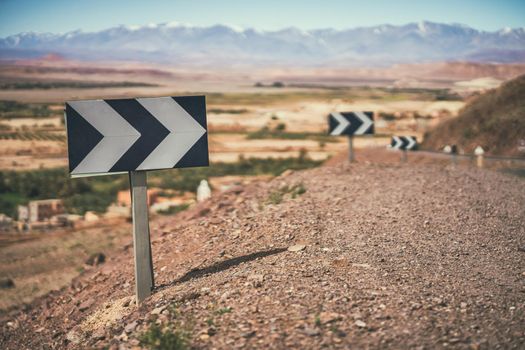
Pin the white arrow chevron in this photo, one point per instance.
(397, 142)
(367, 122)
(343, 124)
(118, 134)
(411, 142)
(184, 132)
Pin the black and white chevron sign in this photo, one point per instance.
(404, 143)
(106, 136)
(351, 123)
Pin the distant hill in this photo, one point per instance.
(176, 43)
(494, 120)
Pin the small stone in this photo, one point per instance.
(296, 248)
(256, 280)
(73, 337)
(12, 324)
(130, 327)
(158, 310)
(86, 305)
(99, 334)
(312, 332)
(96, 259)
(123, 337)
(463, 305)
(248, 334)
(204, 337)
(360, 324)
(328, 317)
(365, 266)
(216, 221)
(7, 283)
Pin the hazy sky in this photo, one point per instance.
(61, 16)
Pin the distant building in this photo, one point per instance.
(23, 213)
(6, 223)
(124, 197)
(90, 216)
(40, 210)
(115, 210)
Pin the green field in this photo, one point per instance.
(47, 85)
(327, 93)
(31, 136)
(96, 193)
(13, 109)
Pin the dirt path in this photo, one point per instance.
(383, 255)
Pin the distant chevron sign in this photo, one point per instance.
(351, 123)
(108, 136)
(404, 143)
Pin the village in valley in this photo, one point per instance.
(50, 214)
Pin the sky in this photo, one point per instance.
(60, 16)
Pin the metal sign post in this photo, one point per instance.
(404, 156)
(132, 136)
(144, 280)
(479, 152)
(453, 154)
(350, 148)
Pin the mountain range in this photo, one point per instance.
(178, 44)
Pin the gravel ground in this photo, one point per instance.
(369, 256)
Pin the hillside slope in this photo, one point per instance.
(360, 256)
(494, 120)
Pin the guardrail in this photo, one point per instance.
(472, 156)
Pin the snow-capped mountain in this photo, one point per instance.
(220, 44)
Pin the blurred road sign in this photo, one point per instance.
(112, 136)
(351, 123)
(405, 143)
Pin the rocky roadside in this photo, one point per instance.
(367, 255)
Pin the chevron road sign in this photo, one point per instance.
(134, 135)
(351, 123)
(108, 136)
(405, 143)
